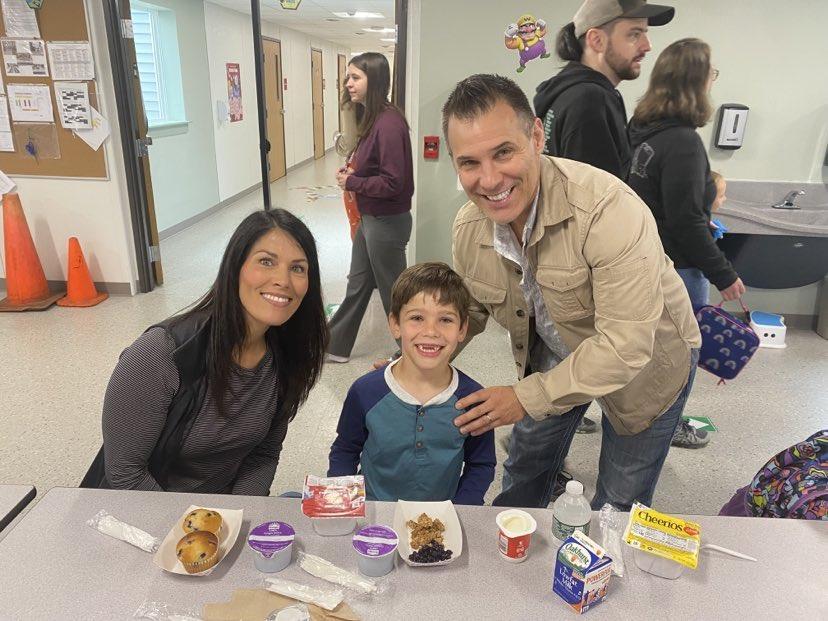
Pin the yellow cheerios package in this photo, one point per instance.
(663, 535)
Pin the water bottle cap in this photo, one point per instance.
(576, 488)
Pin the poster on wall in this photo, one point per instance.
(20, 19)
(6, 139)
(73, 105)
(25, 57)
(71, 60)
(31, 103)
(234, 96)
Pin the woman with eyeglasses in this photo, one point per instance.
(671, 173)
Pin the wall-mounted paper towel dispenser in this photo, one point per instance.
(731, 127)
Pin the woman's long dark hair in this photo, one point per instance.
(376, 70)
(298, 345)
(678, 85)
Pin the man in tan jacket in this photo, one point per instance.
(568, 259)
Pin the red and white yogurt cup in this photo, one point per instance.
(516, 528)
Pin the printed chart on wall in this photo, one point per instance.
(73, 105)
(71, 60)
(6, 140)
(234, 96)
(20, 19)
(24, 57)
(30, 103)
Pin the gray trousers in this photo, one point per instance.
(377, 259)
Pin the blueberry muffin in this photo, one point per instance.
(198, 551)
(202, 519)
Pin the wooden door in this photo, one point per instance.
(142, 141)
(318, 104)
(275, 106)
(342, 69)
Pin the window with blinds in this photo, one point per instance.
(148, 55)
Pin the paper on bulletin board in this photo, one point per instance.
(71, 60)
(31, 103)
(20, 19)
(73, 105)
(25, 57)
(234, 96)
(100, 131)
(38, 140)
(6, 139)
(6, 184)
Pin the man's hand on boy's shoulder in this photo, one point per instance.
(495, 406)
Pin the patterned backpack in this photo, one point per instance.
(794, 484)
(727, 343)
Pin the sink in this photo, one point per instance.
(776, 248)
(762, 219)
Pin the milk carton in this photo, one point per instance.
(582, 572)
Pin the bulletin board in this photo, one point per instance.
(58, 20)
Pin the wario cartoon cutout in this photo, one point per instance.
(526, 36)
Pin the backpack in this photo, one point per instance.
(727, 343)
(794, 484)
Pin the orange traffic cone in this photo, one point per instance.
(81, 290)
(25, 281)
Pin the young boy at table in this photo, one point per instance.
(397, 423)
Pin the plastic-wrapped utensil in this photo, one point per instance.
(112, 526)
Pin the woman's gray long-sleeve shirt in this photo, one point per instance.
(235, 454)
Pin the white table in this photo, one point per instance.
(53, 566)
(13, 498)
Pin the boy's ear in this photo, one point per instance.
(464, 330)
(394, 325)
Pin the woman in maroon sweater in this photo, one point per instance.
(380, 174)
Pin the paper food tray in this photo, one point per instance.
(165, 557)
(443, 511)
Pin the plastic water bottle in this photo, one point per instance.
(570, 512)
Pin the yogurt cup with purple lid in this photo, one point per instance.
(375, 546)
(272, 544)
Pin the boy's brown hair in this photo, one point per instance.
(435, 278)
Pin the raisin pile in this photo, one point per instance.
(432, 552)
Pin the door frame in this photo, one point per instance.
(281, 98)
(321, 103)
(127, 121)
(340, 84)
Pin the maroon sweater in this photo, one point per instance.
(383, 178)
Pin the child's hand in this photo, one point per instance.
(496, 406)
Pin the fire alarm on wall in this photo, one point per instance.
(431, 147)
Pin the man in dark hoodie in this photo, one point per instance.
(583, 114)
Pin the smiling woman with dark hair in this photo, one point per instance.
(201, 401)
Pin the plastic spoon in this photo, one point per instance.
(710, 546)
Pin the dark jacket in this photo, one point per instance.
(383, 180)
(584, 119)
(191, 336)
(671, 173)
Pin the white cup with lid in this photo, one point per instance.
(376, 546)
(272, 545)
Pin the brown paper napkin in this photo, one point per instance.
(256, 604)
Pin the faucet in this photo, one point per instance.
(788, 201)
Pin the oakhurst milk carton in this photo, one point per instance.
(582, 572)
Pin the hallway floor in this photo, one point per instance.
(56, 366)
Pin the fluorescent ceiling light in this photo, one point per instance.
(360, 15)
(379, 29)
(356, 53)
(389, 40)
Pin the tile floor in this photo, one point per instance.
(56, 364)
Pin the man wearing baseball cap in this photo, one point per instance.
(583, 114)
